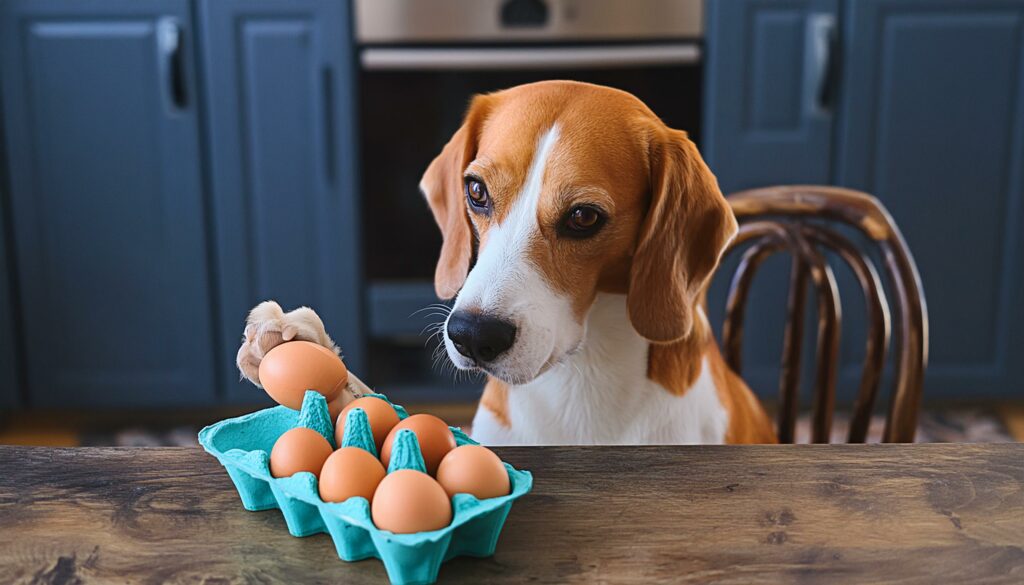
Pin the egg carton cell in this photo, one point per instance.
(242, 445)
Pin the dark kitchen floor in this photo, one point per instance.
(973, 424)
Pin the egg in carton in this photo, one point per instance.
(242, 445)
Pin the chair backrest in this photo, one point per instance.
(800, 220)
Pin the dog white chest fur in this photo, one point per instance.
(601, 395)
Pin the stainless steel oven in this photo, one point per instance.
(420, 62)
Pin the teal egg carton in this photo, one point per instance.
(243, 445)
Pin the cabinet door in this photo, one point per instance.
(933, 124)
(9, 383)
(767, 108)
(768, 120)
(280, 128)
(102, 139)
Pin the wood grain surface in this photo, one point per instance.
(768, 514)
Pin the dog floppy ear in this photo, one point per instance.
(688, 226)
(442, 185)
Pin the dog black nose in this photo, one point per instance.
(480, 337)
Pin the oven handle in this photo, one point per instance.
(448, 59)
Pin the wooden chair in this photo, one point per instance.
(800, 220)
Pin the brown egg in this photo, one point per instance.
(433, 434)
(348, 472)
(291, 368)
(379, 413)
(472, 469)
(299, 449)
(410, 501)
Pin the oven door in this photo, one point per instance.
(412, 100)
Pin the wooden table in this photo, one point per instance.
(828, 514)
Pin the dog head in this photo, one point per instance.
(552, 192)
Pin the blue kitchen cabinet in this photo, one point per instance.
(10, 390)
(102, 143)
(769, 112)
(768, 107)
(919, 102)
(281, 139)
(932, 122)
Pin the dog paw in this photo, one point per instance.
(269, 326)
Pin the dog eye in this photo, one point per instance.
(582, 221)
(476, 193)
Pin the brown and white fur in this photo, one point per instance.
(611, 341)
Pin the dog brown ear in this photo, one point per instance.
(442, 185)
(688, 226)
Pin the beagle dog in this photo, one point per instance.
(580, 235)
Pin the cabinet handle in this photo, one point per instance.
(327, 94)
(169, 43)
(824, 59)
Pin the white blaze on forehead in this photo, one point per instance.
(505, 259)
(523, 215)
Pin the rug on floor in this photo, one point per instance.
(937, 426)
